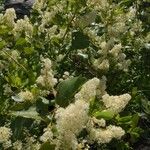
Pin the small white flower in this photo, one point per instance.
(70, 122)
(103, 136)
(47, 64)
(88, 90)
(38, 5)
(116, 103)
(17, 145)
(23, 25)
(132, 13)
(7, 144)
(26, 96)
(101, 122)
(73, 118)
(48, 135)
(117, 132)
(9, 17)
(5, 134)
(15, 54)
(115, 50)
(104, 65)
(7, 89)
(46, 79)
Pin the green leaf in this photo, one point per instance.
(67, 89)
(134, 91)
(79, 40)
(4, 30)
(47, 146)
(17, 126)
(2, 44)
(30, 113)
(124, 120)
(28, 50)
(20, 42)
(135, 120)
(20, 106)
(135, 133)
(15, 81)
(107, 115)
(42, 105)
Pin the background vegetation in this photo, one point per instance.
(46, 58)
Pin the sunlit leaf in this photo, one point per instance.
(105, 114)
(67, 89)
(30, 113)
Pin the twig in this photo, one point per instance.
(15, 61)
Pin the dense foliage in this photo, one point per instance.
(75, 74)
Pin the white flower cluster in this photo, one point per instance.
(14, 55)
(117, 29)
(106, 135)
(100, 122)
(5, 135)
(101, 64)
(131, 13)
(70, 122)
(65, 76)
(17, 145)
(103, 135)
(124, 64)
(26, 96)
(116, 103)
(117, 132)
(31, 143)
(88, 90)
(9, 17)
(48, 135)
(46, 18)
(39, 5)
(23, 25)
(116, 50)
(46, 79)
(50, 32)
(121, 24)
(120, 58)
(107, 49)
(99, 5)
(58, 35)
(83, 145)
(136, 27)
(7, 89)
(7, 145)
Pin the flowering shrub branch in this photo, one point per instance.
(57, 68)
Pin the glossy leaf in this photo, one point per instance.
(107, 115)
(67, 89)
